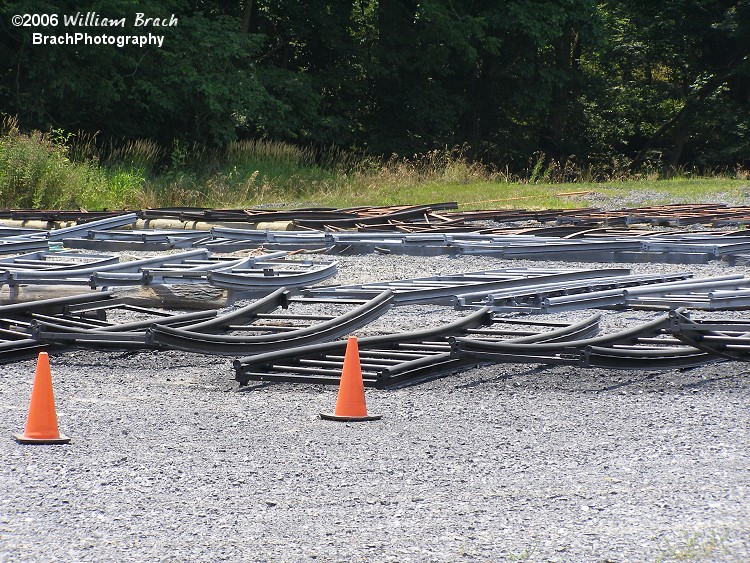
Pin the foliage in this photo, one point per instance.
(35, 172)
(678, 74)
(198, 86)
(38, 170)
(580, 84)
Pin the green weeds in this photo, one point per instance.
(35, 171)
(696, 546)
(63, 170)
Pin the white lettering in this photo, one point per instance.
(141, 20)
(82, 38)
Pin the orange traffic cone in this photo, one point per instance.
(41, 424)
(350, 404)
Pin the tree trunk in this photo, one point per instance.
(246, 16)
(682, 133)
(566, 61)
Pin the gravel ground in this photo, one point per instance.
(637, 198)
(171, 462)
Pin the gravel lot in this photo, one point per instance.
(171, 462)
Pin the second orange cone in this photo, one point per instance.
(41, 423)
(350, 404)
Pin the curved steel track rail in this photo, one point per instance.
(273, 273)
(446, 289)
(15, 321)
(254, 274)
(207, 332)
(635, 348)
(196, 340)
(67, 330)
(725, 338)
(397, 359)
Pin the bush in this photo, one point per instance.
(35, 172)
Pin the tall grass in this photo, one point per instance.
(36, 172)
(143, 155)
(63, 170)
(444, 166)
(249, 172)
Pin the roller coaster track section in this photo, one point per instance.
(446, 289)
(664, 215)
(646, 346)
(263, 331)
(193, 214)
(663, 292)
(138, 239)
(679, 215)
(93, 325)
(277, 321)
(272, 272)
(407, 219)
(725, 338)
(439, 216)
(404, 358)
(93, 274)
(251, 275)
(106, 223)
(596, 246)
(663, 249)
(13, 244)
(254, 274)
(226, 239)
(314, 216)
(16, 340)
(188, 268)
(192, 270)
(428, 244)
(44, 261)
(378, 217)
(20, 232)
(57, 215)
(716, 293)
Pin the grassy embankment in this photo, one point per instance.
(62, 171)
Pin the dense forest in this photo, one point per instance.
(627, 81)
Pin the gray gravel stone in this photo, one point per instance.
(171, 462)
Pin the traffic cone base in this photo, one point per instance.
(329, 416)
(21, 439)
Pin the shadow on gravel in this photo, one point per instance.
(146, 359)
(656, 375)
(703, 382)
(532, 371)
(630, 382)
(257, 387)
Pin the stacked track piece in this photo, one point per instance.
(402, 358)
(271, 323)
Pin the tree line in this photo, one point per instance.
(600, 83)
